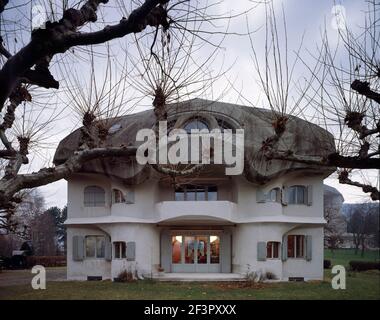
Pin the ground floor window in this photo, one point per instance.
(296, 246)
(95, 247)
(176, 249)
(273, 248)
(120, 249)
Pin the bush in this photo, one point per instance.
(326, 264)
(364, 265)
(127, 276)
(46, 261)
(270, 275)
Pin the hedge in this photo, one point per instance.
(46, 261)
(364, 265)
(326, 264)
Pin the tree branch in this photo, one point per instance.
(362, 87)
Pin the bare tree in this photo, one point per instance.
(340, 96)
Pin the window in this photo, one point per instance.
(273, 249)
(195, 124)
(176, 249)
(296, 246)
(95, 247)
(120, 250)
(297, 195)
(118, 196)
(273, 195)
(94, 196)
(196, 193)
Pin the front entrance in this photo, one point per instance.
(195, 252)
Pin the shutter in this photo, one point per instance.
(108, 249)
(260, 196)
(284, 196)
(308, 248)
(130, 197)
(261, 251)
(309, 195)
(131, 251)
(78, 248)
(284, 248)
(166, 247)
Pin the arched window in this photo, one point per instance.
(195, 124)
(273, 195)
(297, 195)
(118, 196)
(94, 196)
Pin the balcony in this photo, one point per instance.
(208, 209)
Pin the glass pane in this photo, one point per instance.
(276, 247)
(100, 247)
(190, 195)
(123, 250)
(291, 246)
(90, 247)
(117, 250)
(292, 195)
(201, 194)
(202, 250)
(269, 249)
(176, 249)
(300, 245)
(214, 249)
(195, 124)
(212, 194)
(300, 195)
(179, 196)
(189, 249)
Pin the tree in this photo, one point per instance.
(26, 70)
(341, 95)
(59, 217)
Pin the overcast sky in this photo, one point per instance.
(305, 19)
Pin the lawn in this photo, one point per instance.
(344, 256)
(364, 285)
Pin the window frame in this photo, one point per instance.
(296, 188)
(121, 194)
(272, 245)
(197, 190)
(277, 197)
(121, 252)
(295, 246)
(194, 120)
(97, 238)
(94, 202)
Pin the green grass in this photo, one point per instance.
(344, 256)
(364, 285)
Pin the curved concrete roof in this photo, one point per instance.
(302, 137)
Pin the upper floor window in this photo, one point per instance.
(118, 196)
(195, 124)
(95, 247)
(196, 193)
(94, 196)
(273, 248)
(296, 246)
(120, 250)
(297, 195)
(274, 195)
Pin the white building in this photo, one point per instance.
(123, 215)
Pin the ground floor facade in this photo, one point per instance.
(285, 250)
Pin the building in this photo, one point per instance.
(127, 216)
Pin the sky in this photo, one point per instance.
(306, 20)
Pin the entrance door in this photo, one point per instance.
(195, 253)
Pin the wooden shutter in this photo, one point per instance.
(284, 196)
(131, 251)
(78, 248)
(309, 195)
(260, 196)
(108, 249)
(308, 248)
(261, 251)
(284, 248)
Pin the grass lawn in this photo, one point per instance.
(364, 285)
(344, 256)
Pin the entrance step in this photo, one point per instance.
(182, 276)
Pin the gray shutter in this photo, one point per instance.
(284, 196)
(78, 248)
(108, 249)
(308, 248)
(131, 251)
(225, 249)
(166, 246)
(309, 195)
(260, 196)
(130, 197)
(261, 251)
(284, 248)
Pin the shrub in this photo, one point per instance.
(326, 264)
(127, 276)
(364, 265)
(270, 276)
(46, 261)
